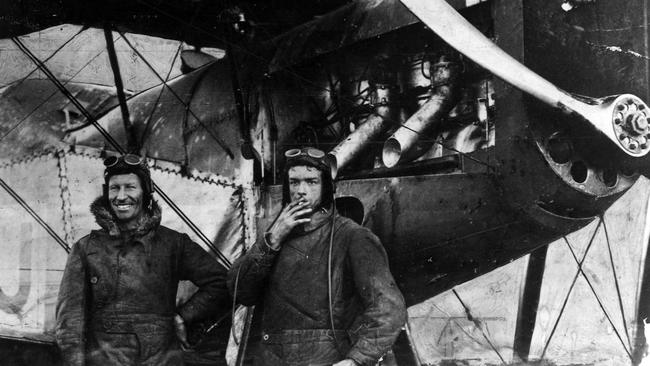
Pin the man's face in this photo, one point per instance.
(125, 197)
(306, 183)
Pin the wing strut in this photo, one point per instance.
(217, 253)
(132, 143)
(247, 150)
(526, 320)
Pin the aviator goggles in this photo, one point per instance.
(129, 159)
(309, 155)
(306, 151)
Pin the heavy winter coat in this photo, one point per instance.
(368, 309)
(117, 297)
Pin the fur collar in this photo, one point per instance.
(105, 219)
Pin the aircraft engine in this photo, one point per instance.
(386, 105)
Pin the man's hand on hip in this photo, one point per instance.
(181, 331)
(291, 216)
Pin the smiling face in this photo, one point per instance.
(306, 183)
(125, 197)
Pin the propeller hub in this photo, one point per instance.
(631, 120)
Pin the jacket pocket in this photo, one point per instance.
(99, 279)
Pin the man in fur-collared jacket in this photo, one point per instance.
(117, 300)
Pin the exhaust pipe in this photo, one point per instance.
(367, 132)
(444, 81)
(624, 119)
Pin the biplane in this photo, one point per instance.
(467, 134)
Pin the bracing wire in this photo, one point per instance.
(618, 288)
(209, 130)
(19, 123)
(67, 93)
(600, 303)
(478, 323)
(566, 299)
(452, 318)
(155, 105)
(48, 58)
(49, 96)
(192, 226)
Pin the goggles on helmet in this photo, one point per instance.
(306, 151)
(307, 156)
(129, 159)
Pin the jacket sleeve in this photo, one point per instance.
(209, 276)
(71, 309)
(375, 330)
(250, 272)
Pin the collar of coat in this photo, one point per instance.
(106, 220)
